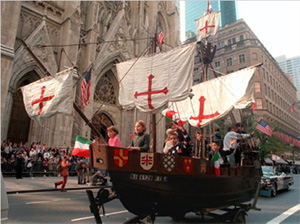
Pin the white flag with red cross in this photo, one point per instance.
(49, 96)
(207, 25)
(215, 98)
(150, 82)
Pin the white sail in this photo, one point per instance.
(49, 96)
(215, 98)
(152, 81)
(207, 25)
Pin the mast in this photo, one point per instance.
(207, 54)
(153, 116)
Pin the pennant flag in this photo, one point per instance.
(160, 36)
(85, 88)
(82, 147)
(217, 162)
(264, 128)
(49, 96)
(207, 25)
(209, 7)
(157, 79)
(292, 108)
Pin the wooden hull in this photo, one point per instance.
(189, 185)
(181, 194)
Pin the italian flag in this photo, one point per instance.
(217, 162)
(172, 116)
(168, 114)
(82, 147)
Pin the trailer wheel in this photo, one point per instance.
(240, 217)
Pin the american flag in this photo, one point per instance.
(160, 36)
(264, 128)
(85, 89)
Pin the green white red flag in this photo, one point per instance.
(171, 115)
(82, 147)
(217, 162)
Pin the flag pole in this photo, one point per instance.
(153, 116)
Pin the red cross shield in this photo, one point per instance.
(120, 157)
(146, 160)
(187, 165)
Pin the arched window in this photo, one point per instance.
(106, 89)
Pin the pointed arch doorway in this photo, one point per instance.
(19, 123)
(101, 121)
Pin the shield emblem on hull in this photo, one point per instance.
(187, 165)
(120, 157)
(169, 162)
(146, 160)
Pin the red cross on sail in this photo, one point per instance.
(50, 95)
(207, 25)
(150, 92)
(201, 115)
(150, 82)
(216, 98)
(42, 99)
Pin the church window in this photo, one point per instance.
(105, 90)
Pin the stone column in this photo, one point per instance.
(9, 27)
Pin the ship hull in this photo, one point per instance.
(164, 185)
(178, 195)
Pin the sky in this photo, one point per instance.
(275, 23)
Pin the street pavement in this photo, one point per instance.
(39, 184)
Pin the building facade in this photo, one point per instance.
(44, 37)
(291, 66)
(238, 48)
(196, 9)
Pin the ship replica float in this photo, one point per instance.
(151, 184)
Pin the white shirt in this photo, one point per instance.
(232, 135)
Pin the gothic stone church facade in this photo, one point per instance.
(40, 38)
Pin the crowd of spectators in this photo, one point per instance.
(37, 157)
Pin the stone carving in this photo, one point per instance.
(105, 90)
(28, 24)
(51, 8)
